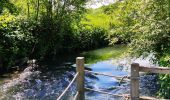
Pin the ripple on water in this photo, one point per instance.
(35, 85)
(50, 84)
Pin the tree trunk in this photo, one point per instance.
(49, 9)
(28, 10)
(38, 5)
(1, 65)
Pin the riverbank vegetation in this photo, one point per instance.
(105, 53)
(43, 29)
(146, 26)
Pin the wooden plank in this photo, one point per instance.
(161, 70)
(148, 98)
(80, 78)
(134, 81)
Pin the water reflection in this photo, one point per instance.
(105, 83)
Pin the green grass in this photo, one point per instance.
(106, 53)
(97, 18)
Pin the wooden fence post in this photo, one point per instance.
(134, 81)
(80, 78)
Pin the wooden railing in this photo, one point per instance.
(134, 78)
(135, 69)
(79, 77)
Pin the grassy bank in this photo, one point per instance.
(105, 53)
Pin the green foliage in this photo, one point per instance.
(7, 5)
(123, 13)
(146, 26)
(116, 19)
(164, 79)
(55, 26)
(90, 37)
(96, 18)
(46, 29)
(15, 40)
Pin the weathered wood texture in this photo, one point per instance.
(135, 69)
(160, 70)
(148, 98)
(134, 81)
(80, 78)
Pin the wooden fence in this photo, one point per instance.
(79, 77)
(135, 69)
(134, 78)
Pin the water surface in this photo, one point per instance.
(49, 84)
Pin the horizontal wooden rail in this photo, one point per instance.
(59, 98)
(96, 73)
(161, 70)
(135, 69)
(147, 98)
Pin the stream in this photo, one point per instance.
(48, 84)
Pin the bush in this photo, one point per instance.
(16, 39)
(90, 37)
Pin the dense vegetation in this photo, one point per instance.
(143, 25)
(46, 28)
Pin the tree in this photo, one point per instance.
(148, 23)
(6, 4)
